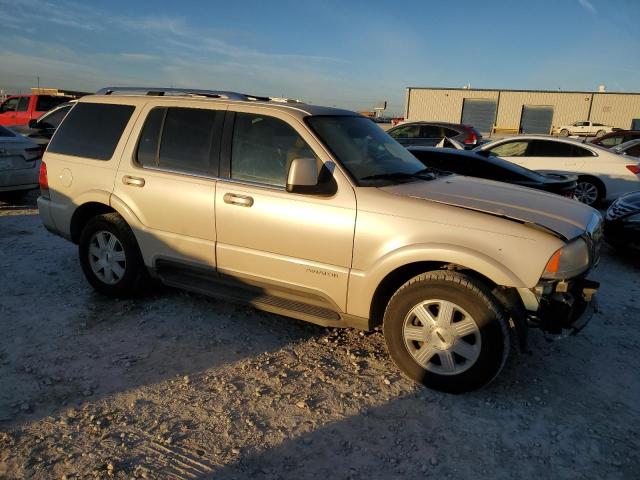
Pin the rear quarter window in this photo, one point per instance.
(91, 130)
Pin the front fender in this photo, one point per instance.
(363, 284)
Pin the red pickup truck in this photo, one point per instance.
(19, 109)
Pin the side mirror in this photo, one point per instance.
(303, 176)
(33, 123)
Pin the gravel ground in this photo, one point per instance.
(182, 386)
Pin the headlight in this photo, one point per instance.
(568, 262)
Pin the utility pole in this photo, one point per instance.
(38, 79)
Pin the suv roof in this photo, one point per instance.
(294, 107)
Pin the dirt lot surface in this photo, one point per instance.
(182, 386)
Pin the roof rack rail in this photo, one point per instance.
(161, 91)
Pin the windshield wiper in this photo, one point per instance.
(424, 174)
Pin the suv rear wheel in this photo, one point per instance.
(445, 330)
(110, 257)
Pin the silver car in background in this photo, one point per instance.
(19, 162)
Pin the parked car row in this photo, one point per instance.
(602, 174)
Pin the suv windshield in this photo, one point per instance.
(371, 156)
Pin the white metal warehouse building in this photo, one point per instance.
(525, 111)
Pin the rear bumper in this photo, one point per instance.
(568, 307)
(44, 209)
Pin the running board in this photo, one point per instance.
(210, 283)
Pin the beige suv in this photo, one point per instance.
(315, 213)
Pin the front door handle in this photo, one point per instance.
(133, 181)
(240, 200)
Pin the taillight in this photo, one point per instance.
(43, 180)
(635, 169)
(471, 139)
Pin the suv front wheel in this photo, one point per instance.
(110, 257)
(445, 330)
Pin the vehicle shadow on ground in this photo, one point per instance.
(64, 345)
(18, 200)
(514, 426)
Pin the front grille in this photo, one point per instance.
(619, 209)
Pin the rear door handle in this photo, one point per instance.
(133, 181)
(240, 200)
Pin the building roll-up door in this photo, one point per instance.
(479, 113)
(536, 119)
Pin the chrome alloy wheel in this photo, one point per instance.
(106, 257)
(441, 337)
(586, 192)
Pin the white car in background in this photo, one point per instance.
(602, 174)
(584, 128)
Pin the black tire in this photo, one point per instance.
(590, 183)
(136, 278)
(564, 132)
(468, 294)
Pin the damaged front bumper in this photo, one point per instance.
(564, 307)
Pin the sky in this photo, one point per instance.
(349, 53)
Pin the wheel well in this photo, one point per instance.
(82, 214)
(597, 182)
(395, 279)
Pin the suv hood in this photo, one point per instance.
(565, 217)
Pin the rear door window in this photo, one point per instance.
(410, 131)
(23, 104)
(430, 131)
(611, 141)
(448, 132)
(91, 130)
(545, 148)
(184, 140)
(517, 148)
